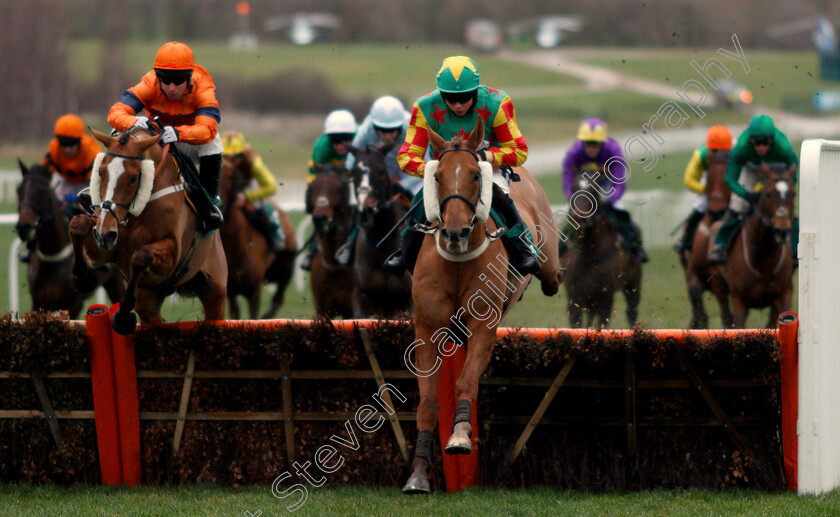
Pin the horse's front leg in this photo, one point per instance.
(479, 351)
(84, 279)
(700, 319)
(739, 312)
(158, 257)
(425, 366)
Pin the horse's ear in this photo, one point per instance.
(104, 139)
(148, 142)
(23, 168)
(477, 135)
(790, 171)
(385, 148)
(353, 149)
(438, 143)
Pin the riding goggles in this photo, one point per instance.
(340, 138)
(761, 140)
(386, 129)
(68, 141)
(457, 97)
(175, 77)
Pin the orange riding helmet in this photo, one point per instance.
(70, 126)
(175, 56)
(718, 138)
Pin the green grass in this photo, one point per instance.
(785, 80)
(354, 69)
(27, 500)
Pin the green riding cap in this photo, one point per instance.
(761, 126)
(457, 74)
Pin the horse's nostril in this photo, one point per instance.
(444, 234)
(465, 233)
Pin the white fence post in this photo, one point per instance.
(818, 425)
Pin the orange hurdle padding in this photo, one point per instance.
(128, 405)
(460, 470)
(98, 328)
(788, 342)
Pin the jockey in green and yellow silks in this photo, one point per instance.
(453, 109)
(260, 213)
(762, 143)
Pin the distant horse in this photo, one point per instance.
(380, 208)
(250, 261)
(759, 267)
(700, 276)
(41, 221)
(328, 200)
(143, 224)
(597, 265)
(463, 281)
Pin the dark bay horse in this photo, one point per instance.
(700, 276)
(597, 265)
(250, 261)
(463, 281)
(759, 267)
(42, 224)
(328, 200)
(380, 208)
(143, 224)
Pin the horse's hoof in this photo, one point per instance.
(417, 485)
(124, 322)
(459, 442)
(85, 282)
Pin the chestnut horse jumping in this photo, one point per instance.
(250, 261)
(700, 276)
(142, 223)
(759, 267)
(42, 224)
(463, 281)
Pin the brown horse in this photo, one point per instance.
(759, 267)
(328, 200)
(142, 223)
(43, 226)
(700, 276)
(377, 292)
(464, 284)
(597, 265)
(250, 261)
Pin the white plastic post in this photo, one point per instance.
(818, 425)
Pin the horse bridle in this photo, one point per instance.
(768, 220)
(39, 211)
(469, 203)
(367, 190)
(108, 205)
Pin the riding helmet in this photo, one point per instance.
(593, 130)
(340, 122)
(718, 138)
(457, 74)
(761, 126)
(387, 113)
(233, 142)
(70, 126)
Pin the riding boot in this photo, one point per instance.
(717, 255)
(405, 258)
(346, 252)
(689, 229)
(306, 263)
(265, 223)
(517, 237)
(210, 173)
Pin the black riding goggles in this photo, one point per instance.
(340, 138)
(761, 140)
(68, 141)
(458, 97)
(173, 77)
(386, 129)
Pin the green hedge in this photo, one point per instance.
(581, 445)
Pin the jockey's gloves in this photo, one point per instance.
(170, 135)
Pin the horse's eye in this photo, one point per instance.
(476, 176)
(133, 180)
(437, 179)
